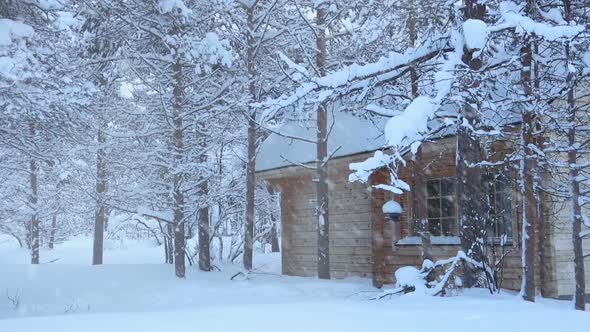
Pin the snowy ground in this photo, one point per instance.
(134, 292)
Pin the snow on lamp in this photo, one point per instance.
(392, 211)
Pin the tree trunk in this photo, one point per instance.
(574, 172)
(52, 231)
(529, 221)
(204, 250)
(470, 198)
(425, 240)
(274, 237)
(107, 213)
(528, 166)
(544, 238)
(468, 176)
(579, 294)
(251, 162)
(413, 35)
(99, 217)
(179, 240)
(220, 251)
(250, 193)
(544, 226)
(322, 206)
(34, 227)
(274, 234)
(420, 213)
(422, 228)
(169, 244)
(5, 8)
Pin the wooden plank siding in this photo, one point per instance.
(350, 221)
(563, 248)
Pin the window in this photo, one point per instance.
(499, 204)
(440, 202)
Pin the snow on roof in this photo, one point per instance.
(350, 134)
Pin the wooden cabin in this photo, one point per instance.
(362, 242)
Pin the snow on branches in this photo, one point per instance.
(11, 31)
(409, 279)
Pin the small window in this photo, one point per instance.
(499, 204)
(440, 202)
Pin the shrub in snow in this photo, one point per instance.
(438, 278)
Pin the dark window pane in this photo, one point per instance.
(486, 178)
(498, 203)
(504, 214)
(433, 188)
(502, 182)
(434, 226)
(503, 203)
(491, 228)
(447, 207)
(448, 227)
(505, 226)
(488, 199)
(492, 210)
(447, 186)
(412, 226)
(433, 205)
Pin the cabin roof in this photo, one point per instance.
(348, 135)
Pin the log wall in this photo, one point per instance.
(350, 220)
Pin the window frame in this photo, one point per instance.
(495, 216)
(453, 229)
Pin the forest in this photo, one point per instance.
(131, 134)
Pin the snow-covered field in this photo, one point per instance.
(135, 292)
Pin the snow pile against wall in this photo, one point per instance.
(349, 135)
